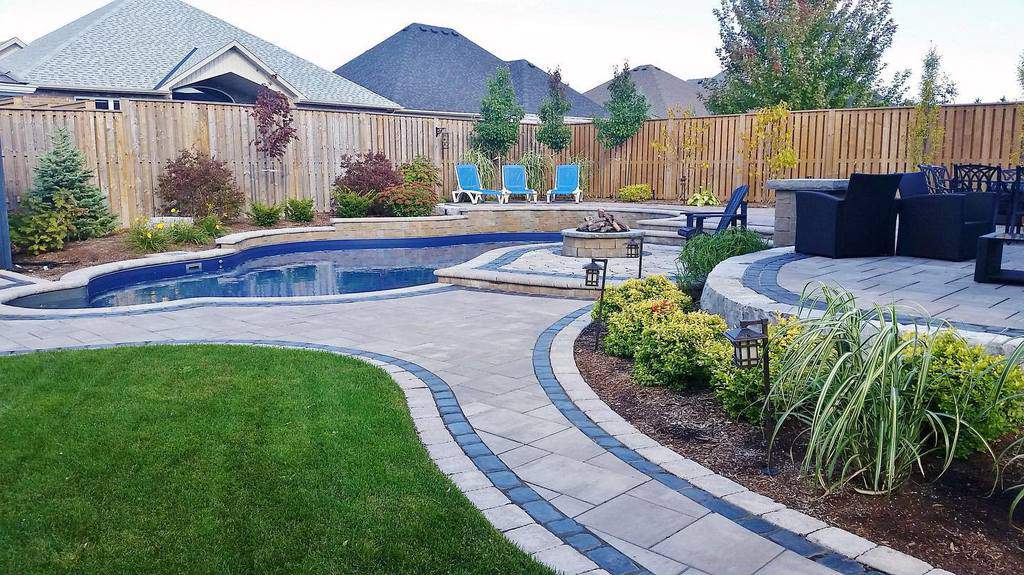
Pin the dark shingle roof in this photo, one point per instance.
(662, 91)
(131, 45)
(432, 68)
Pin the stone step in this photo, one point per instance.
(661, 237)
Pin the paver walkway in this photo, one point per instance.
(482, 345)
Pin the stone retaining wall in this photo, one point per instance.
(455, 221)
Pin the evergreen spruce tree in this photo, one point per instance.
(63, 168)
(498, 131)
(553, 132)
(627, 110)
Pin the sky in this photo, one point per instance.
(980, 40)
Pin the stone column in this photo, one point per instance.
(785, 203)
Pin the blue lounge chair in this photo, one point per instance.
(567, 183)
(734, 214)
(513, 183)
(468, 178)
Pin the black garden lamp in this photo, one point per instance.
(746, 346)
(632, 248)
(593, 274)
(635, 249)
(596, 275)
(749, 350)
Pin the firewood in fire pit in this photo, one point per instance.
(604, 223)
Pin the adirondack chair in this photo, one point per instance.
(735, 213)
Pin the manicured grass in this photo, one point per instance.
(221, 459)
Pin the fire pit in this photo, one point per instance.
(600, 237)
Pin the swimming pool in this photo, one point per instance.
(317, 268)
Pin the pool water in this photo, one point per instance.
(304, 270)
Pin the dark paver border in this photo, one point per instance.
(762, 276)
(566, 529)
(755, 524)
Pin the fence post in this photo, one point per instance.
(5, 231)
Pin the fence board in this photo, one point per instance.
(127, 149)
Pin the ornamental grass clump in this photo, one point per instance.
(701, 253)
(857, 390)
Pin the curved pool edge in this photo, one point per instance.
(81, 278)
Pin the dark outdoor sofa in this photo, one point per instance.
(942, 226)
(859, 222)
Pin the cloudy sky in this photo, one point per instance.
(980, 40)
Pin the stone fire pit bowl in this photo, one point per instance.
(577, 244)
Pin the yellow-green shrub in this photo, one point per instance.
(638, 290)
(682, 350)
(626, 327)
(636, 193)
(965, 379)
(741, 391)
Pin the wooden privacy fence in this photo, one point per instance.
(127, 149)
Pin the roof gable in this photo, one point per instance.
(133, 45)
(433, 68)
(662, 90)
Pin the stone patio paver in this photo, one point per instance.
(462, 337)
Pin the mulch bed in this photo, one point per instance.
(951, 523)
(113, 248)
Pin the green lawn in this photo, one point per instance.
(221, 459)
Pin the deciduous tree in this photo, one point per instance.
(809, 53)
(627, 110)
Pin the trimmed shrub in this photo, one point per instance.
(682, 350)
(420, 171)
(41, 225)
(701, 253)
(147, 239)
(296, 210)
(367, 174)
(636, 193)
(965, 379)
(638, 290)
(741, 391)
(63, 169)
(626, 327)
(265, 215)
(186, 233)
(350, 205)
(196, 185)
(405, 201)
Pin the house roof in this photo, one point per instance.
(663, 90)
(135, 45)
(432, 68)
